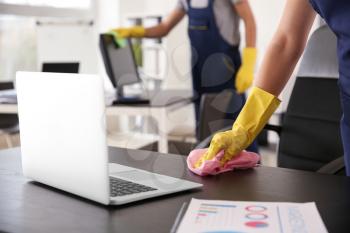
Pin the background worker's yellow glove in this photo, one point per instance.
(245, 75)
(253, 117)
(137, 31)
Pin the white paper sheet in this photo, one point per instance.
(207, 216)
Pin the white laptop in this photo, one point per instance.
(63, 141)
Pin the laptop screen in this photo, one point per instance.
(61, 67)
(119, 61)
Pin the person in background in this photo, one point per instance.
(279, 62)
(213, 30)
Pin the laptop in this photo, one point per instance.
(63, 141)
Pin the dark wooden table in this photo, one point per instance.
(27, 206)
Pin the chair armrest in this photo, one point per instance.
(205, 143)
(333, 167)
(275, 128)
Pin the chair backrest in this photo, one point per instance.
(7, 120)
(217, 110)
(311, 126)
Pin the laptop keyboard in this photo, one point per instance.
(121, 187)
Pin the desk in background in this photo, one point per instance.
(161, 105)
(33, 207)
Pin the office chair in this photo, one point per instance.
(310, 132)
(217, 111)
(9, 124)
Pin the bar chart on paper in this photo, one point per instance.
(207, 216)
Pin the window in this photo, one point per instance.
(17, 46)
(49, 8)
(79, 4)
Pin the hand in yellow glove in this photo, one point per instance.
(256, 112)
(137, 31)
(245, 75)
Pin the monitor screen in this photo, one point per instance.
(119, 61)
(61, 67)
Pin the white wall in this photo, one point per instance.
(107, 15)
(267, 15)
(68, 41)
(17, 54)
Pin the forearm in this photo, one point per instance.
(250, 33)
(157, 31)
(278, 64)
(246, 14)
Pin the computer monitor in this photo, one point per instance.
(119, 61)
(61, 67)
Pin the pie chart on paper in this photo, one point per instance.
(256, 224)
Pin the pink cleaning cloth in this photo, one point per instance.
(243, 160)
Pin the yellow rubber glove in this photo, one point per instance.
(245, 75)
(256, 112)
(137, 31)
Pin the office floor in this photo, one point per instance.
(4, 143)
(268, 153)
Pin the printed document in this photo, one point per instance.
(209, 216)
